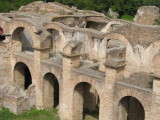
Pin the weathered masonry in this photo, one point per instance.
(78, 62)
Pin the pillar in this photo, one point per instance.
(66, 99)
(71, 60)
(39, 54)
(156, 98)
(113, 73)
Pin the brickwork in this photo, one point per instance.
(91, 65)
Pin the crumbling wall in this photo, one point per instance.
(4, 62)
(147, 15)
(16, 99)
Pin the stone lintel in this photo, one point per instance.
(70, 56)
(115, 63)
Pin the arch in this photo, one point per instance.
(146, 103)
(59, 43)
(34, 30)
(22, 40)
(130, 108)
(53, 26)
(22, 75)
(85, 101)
(118, 37)
(50, 91)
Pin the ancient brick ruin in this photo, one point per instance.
(55, 56)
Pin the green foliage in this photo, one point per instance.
(12, 5)
(32, 114)
(127, 17)
(123, 7)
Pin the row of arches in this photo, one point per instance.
(86, 100)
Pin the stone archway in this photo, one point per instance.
(50, 91)
(85, 101)
(22, 75)
(22, 40)
(130, 108)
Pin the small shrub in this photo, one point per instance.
(127, 17)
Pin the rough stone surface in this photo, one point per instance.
(147, 15)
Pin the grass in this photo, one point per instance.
(127, 17)
(34, 114)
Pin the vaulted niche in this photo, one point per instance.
(22, 40)
(50, 91)
(85, 102)
(130, 108)
(22, 75)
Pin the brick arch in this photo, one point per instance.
(18, 23)
(51, 91)
(27, 64)
(133, 93)
(55, 74)
(19, 71)
(91, 82)
(80, 98)
(118, 37)
(53, 26)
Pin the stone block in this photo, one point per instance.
(16, 104)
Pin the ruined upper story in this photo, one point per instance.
(53, 26)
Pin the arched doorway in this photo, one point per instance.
(22, 75)
(85, 102)
(50, 91)
(130, 108)
(22, 40)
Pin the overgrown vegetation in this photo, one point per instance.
(32, 114)
(123, 7)
(127, 17)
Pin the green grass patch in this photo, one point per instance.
(127, 17)
(32, 114)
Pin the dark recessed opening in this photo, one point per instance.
(28, 78)
(131, 109)
(2, 37)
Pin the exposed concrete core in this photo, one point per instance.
(51, 91)
(130, 109)
(85, 99)
(22, 75)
